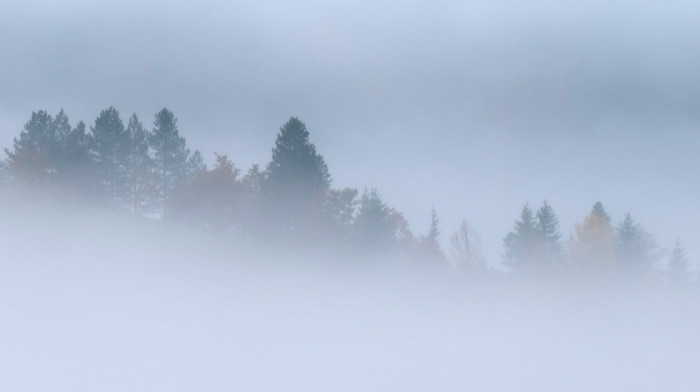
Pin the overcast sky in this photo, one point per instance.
(475, 107)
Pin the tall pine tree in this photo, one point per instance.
(109, 146)
(170, 153)
(297, 181)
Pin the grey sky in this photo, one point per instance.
(475, 107)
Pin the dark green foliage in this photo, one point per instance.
(548, 237)
(600, 211)
(109, 150)
(296, 182)
(139, 194)
(37, 151)
(170, 153)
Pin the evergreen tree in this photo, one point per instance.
(195, 165)
(140, 192)
(297, 180)
(37, 151)
(634, 248)
(678, 269)
(548, 237)
(170, 153)
(521, 243)
(340, 208)
(373, 228)
(77, 165)
(599, 211)
(109, 146)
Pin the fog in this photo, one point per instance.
(484, 106)
(473, 108)
(98, 301)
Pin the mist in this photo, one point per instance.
(407, 258)
(96, 300)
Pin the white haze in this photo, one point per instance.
(93, 300)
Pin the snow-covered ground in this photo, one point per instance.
(131, 306)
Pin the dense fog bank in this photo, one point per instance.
(94, 300)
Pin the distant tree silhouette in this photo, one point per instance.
(170, 155)
(520, 245)
(109, 150)
(592, 245)
(634, 248)
(296, 182)
(465, 250)
(678, 271)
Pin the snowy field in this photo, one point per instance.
(136, 307)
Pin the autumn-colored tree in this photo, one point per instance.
(210, 200)
(592, 245)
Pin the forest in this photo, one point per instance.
(291, 203)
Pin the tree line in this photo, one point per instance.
(291, 201)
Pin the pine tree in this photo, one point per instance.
(634, 248)
(36, 152)
(373, 229)
(140, 192)
(521, 243)
(548, 238)
(195, 165)
(170, 153)
(77, 165)
(678, 269)
(296, 181)
(109, 146)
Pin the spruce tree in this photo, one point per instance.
(296, 181)
(548, 237)
(372, 228)
(634, 248)
(521, 243)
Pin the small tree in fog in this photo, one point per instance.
(428, 247)
(550, 252)
(521, 243)
(592, 244)
(635, 249)
(678, 271)
(465, 250)
(373, 229)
